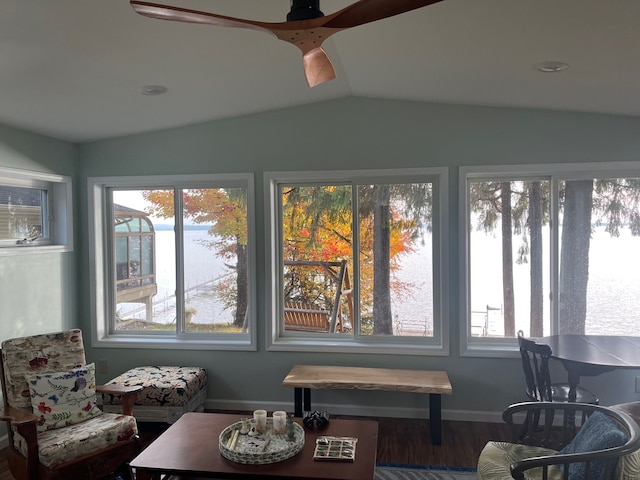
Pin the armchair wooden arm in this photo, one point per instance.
(25, 423)
(17, 416)
(128, 394)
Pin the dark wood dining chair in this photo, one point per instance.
(535, 362)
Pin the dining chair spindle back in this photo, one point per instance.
(535, 363)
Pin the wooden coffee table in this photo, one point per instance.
(189, 448)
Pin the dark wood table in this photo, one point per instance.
(189, 448)
(590, 355)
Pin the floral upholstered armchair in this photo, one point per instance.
(55, 427)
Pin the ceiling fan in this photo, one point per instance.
(306, 26)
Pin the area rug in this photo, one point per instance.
(388, 471)
(423, 472)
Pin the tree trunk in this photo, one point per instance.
(242, 287)
(507, 261)
(535, 233)
(574, 257)
(382, 319)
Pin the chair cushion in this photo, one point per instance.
(598, 433)
(162, 385)
(64, 398)
(496, 459)
(51, 352)
(60, 446)
(630, 464)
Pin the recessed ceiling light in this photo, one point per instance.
(550, 67)
(153, 90)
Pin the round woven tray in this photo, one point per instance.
(278, 449)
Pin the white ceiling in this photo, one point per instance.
(73, 69)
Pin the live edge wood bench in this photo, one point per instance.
(303, 378)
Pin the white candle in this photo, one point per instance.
(279, 421)
(260, 419)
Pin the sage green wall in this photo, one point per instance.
(357, 133)
(37, 291)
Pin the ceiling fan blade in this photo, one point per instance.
(366, 11)
(307, 35)
(317, 67)
(304, 34)
(167, 12)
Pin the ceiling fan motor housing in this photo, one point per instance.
(304, 10)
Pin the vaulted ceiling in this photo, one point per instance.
(74, 69)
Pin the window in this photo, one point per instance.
(174, 260)
(522, 273)
(358, 261)
(35, 212)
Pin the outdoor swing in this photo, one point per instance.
(309, 317)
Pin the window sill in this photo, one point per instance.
(31, 249)
(506, 348)
(399, 346)
(174, 343)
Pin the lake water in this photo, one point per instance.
(412, 313)
(202, 270)
(613, 289)
(612, 292)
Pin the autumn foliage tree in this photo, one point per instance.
(226, 211)
(318, 226)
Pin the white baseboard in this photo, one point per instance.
(359, 411)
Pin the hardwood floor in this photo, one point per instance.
(400, 441)
(406, 441)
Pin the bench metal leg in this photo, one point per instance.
(298, 401)
(307, 400)
(435, 418)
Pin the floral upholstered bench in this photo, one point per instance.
(167, 392)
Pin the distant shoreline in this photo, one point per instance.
(163, 227)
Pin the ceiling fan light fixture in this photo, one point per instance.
(550, 66)
(153, 90)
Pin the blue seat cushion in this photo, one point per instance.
(599, 432)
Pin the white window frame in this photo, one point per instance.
(101, 285)
(58, 215)
(555, 173)
(279, 340)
